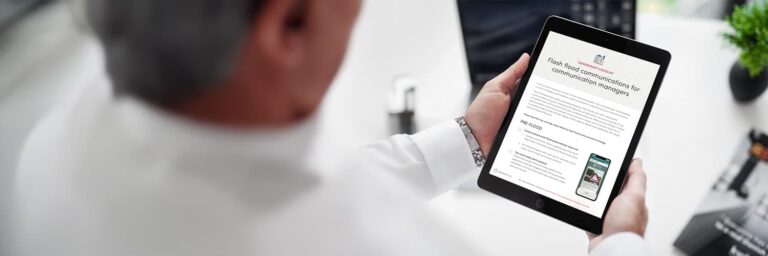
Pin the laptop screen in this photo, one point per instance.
(497, 32)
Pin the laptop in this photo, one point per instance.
(497, 32)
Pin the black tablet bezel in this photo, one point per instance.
(544, 204)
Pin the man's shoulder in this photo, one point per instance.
(59, 136)
(60, 132)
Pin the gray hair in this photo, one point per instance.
(164, 51)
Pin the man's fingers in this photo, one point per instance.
(507, 80)
(636, 177)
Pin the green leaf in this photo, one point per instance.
(750, 35)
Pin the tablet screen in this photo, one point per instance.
(574, 122)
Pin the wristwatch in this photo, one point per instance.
(474, 147)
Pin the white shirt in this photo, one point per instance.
(116, 177)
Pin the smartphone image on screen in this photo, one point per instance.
(592, 179)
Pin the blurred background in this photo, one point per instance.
(413, 63)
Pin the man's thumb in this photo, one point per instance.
(508, 79)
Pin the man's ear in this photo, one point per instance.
(277, 32)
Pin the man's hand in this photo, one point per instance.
(485, 114)
(627, 213)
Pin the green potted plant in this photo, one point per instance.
(749, 77)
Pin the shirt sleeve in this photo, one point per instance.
(625, 244)
(432, 162)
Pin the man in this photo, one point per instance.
(200, 146)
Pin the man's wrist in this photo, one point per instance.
(474, 147)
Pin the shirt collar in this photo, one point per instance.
(146, 124)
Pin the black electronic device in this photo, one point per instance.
(585, 91)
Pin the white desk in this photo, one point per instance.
(695, 126)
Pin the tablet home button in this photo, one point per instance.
(539, 204)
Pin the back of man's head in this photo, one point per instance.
(164, 51)
(227, 62)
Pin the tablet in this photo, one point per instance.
(574, 122)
